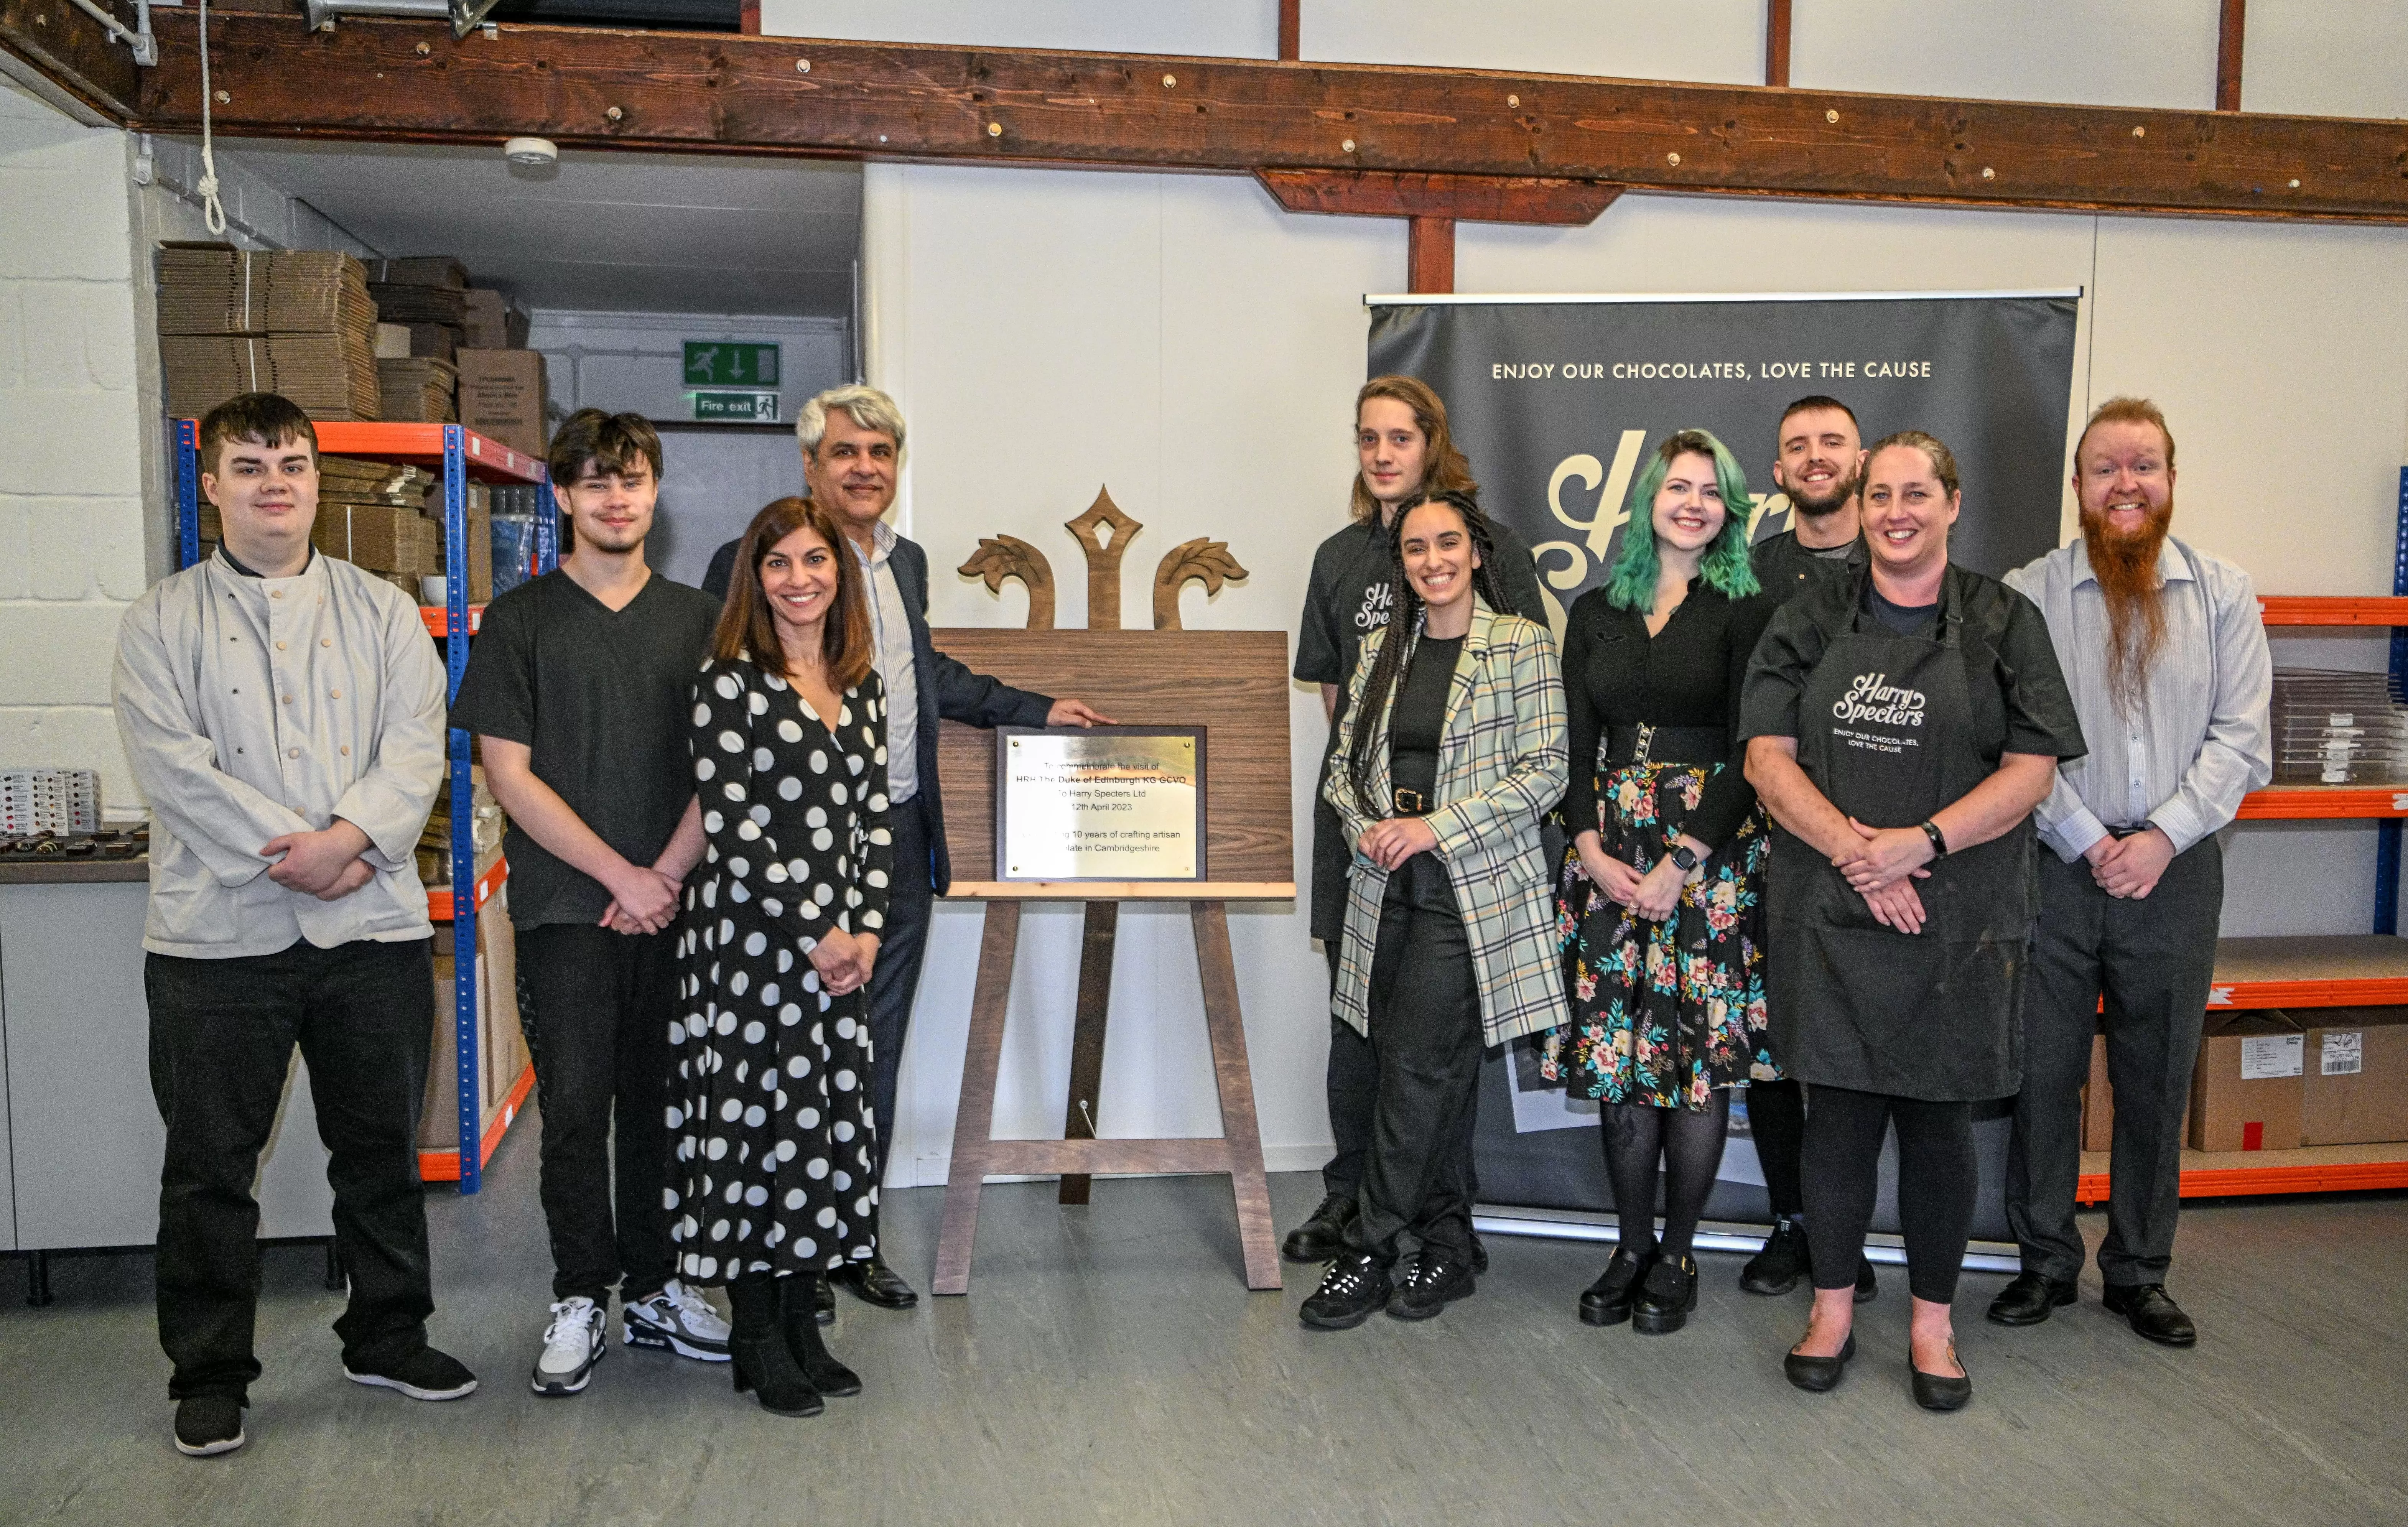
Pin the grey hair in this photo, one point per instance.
(870, 408)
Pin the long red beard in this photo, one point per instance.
(2126, 565)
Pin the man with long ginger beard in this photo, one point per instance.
(2163, 649)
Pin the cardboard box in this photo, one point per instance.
(2355, 1061)
(2251, 1084)
(501, 1043)
(493, 322)
(502, 397)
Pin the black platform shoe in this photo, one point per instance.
(1666, 1296)
(1936, 1392)
(1776, 1269)
(799, 1321)
(1819, 1374)
(1433, 1280)
(1323, 1238)
(1353, 1288)
(756, 1347)
(1607, 1301)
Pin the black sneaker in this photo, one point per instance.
(1351, 1290)
(1433, 1280)
(421, 1373)
(207, 1424)
(1323, 1238)
(1776, 1269)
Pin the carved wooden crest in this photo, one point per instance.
(1104, 533)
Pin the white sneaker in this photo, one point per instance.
(572, 1343)
(679, 1320)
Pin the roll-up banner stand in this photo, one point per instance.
(1557, 400)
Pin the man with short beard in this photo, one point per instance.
(2163, 649)
(1819, 455)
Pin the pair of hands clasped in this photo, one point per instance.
(1882, 868)
(325, 863)
(645, 901)
(1651, 896)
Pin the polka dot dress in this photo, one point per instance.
(770, 1108)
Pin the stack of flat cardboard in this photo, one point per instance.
(495, 321)
(417, 391)
(373, 514)
(426, 293)
(297, 322)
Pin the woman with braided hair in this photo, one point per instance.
(1450, 749)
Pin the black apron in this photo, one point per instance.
(1886, 732)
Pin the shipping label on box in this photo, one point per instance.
(2342, 1054)
(2270, 1056)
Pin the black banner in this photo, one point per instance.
(1557, 401)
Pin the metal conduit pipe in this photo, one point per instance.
(464, 15)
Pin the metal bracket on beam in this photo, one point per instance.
(144, 46)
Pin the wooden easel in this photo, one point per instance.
(1237, 682)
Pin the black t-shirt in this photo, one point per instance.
(600, 697)
(1346, 599)
(1417, 721)
(1906, 620)
(1687, 674)
(1783, 566)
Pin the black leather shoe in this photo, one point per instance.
(875, 1283)
(1323, 1238)
(823, 1299)
(1819, 1374)
(1776, 1269)
(1935, 1391)
(2153, 1314)
(1478, 1256)
(1867, 1286)
(1351, 1290)
(2030, 1299)
(1607, 1301)
(1666, 1296)
(1433, 1280)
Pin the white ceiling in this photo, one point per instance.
(627, 233)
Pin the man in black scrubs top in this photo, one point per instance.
(1402, 443)
(577, 688)
(1819, 462)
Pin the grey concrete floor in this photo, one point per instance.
(1109, 1366)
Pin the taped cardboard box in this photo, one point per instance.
(502, 397)
(2355, 1061)
(2250, 1084)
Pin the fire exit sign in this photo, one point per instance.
(730, 362)
(736, 408)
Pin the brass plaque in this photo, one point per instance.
(1108, 803)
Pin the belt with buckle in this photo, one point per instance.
(1410, 803)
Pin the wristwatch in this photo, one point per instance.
(1685, 857)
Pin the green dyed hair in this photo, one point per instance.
(1631, 583)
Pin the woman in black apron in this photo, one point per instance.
(1662, 892)
(1903, 721)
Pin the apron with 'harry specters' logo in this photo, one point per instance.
(1886, 731)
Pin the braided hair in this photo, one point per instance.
(1388, 668)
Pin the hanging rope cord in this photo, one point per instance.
(212, 210)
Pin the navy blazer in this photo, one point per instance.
(948, 689)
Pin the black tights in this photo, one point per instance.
(1937, 1178)
(1776, 1120)
(1689, 1144)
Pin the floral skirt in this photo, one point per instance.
(1665, 1012)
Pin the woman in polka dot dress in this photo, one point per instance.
(772, 1114)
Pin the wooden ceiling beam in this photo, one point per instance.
(1460, 198)
(73, 53)
(402, 80)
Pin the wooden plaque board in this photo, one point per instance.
(1233, 682)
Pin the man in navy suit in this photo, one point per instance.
(853, 445)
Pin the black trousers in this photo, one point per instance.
(1354, 1086)
(1776, 1120)
(1426, 1041)
(596, 1007)
(895, 982)
(2151, 961)
(221, 1039)
(1937, 1178)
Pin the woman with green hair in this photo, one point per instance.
(1659, 900)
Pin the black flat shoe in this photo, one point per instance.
(1350, 1290)
(2030, 1299)
(1819, 1374)
(1607, 1301)
(1934, 1391)
(2152, 1312)
(1323, 1238)
(1867, 1286)
(1776, 1269)
(1433, 1280)
(873, 1282)
(1666, 1296)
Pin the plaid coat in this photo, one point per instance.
(1502, 766)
